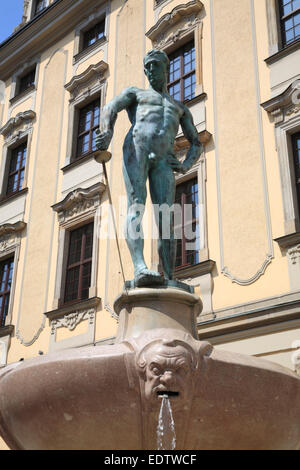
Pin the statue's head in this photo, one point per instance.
(167, 367)
(156, 66)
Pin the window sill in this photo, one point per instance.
(72, 307)
(22, 94)
(9, 198)
(6, 330)
(288, 240)
(93, 48)
(195, 100)
(294, 46)
(78, 161)
(196, 270)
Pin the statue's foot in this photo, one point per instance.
(147, 278)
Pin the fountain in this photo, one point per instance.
(158, 386)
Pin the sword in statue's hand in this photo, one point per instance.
(103, 157)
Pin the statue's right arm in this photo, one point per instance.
(110, 114)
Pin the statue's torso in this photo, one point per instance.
(156, 118)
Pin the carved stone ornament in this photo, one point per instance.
(172, 26)
(285, 105)
(9, 234)
(16, 125)
(294, 253)
(71, 320)
(296, 356)
(92, 76)
(79, 202)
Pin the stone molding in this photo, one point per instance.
(53, 23)
(162, 35)
(18, 124)
(296, 356)
(200, 269)
(94, 74)
(251, 319)
(10, 236)
(283, 106)
(69, 317)
(78, 203)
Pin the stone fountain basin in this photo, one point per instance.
(93, 398)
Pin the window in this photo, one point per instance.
(187, 233)
(16, 169)
(6, 273)
(39, 6)
(79, 264)
(296, 152)
(289, 20)
(89, 119)
(182, 77)
(27, 81)
(94, 34)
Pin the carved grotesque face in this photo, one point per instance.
(168, 371)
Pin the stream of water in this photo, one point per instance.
(166, 437)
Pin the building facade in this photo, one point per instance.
(235, 64)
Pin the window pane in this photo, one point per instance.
(89, 119)
(174, 91)
(27, 81)
(6, 273)
(93, 34)
(78, 269)
(189, 242)
(183, 62)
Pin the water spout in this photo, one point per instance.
(166, 437)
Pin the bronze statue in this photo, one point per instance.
(149, 153)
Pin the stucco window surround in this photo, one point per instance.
(95, 17)
(176, 28)
(10, 244)
(83, 89)
(15, 95)
(284, 111)
(277, 50)
(78, 208)
(198, 275)
(16, 131)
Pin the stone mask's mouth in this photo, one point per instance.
(167, 394)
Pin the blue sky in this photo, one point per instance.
(10, 17)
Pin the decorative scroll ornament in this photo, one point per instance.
(251, 280)
(294, 253)
(174, 25)
(79, 202)
(20, 123)
(71, 320)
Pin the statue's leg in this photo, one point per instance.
(162, 189)
(135, 171)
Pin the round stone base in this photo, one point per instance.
(145, 309)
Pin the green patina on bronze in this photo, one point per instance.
(148, 152)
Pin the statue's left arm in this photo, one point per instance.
(191, 134)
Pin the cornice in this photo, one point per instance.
(94, 71)
(41, 32)
(17, 121)
(6, 229)
(172, 18)
(283, 100)
(289, 240)
(79, 203)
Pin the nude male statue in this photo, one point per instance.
(148, 152)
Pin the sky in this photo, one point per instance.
(10, 17)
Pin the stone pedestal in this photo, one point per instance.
(146, 309)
